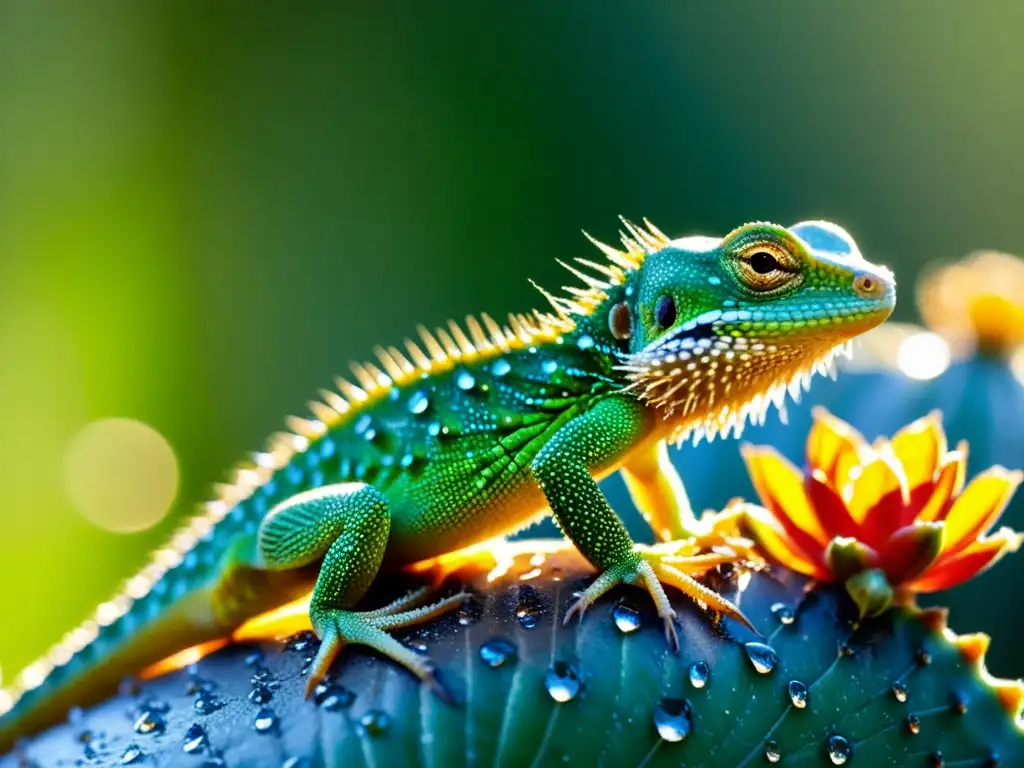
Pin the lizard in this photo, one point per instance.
(481, 429)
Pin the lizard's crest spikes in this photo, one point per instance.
(639, 242)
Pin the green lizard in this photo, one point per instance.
(476, 433)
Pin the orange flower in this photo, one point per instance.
(888, 519)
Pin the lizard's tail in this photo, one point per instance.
(91, 661)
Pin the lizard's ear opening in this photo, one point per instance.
(620, 322)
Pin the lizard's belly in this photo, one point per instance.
(458, 510)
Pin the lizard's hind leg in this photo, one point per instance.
(347, 525)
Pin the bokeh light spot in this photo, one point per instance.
(121, 475)
(1017, 365)
(923, 356)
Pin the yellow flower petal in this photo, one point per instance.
(834, 447)
(769, 535)
(879, 477)
(976, 558)
(919, 447)
(950, 482)
(978, 508)
(781, 488)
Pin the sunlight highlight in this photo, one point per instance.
(923, 356)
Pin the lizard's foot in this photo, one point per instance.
(337, 628)
(654, 567)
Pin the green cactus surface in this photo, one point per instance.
(813, 689)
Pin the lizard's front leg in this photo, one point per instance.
(348, 526)
(562, 468)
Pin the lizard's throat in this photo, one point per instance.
(706, 386)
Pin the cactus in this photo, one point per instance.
(817, 686)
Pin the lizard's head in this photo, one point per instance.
(718, 329)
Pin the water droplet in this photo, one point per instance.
(265, 720)
(585, 342)
(549, 366)
(626, 618)
(527, 615)
(913, 724)
(297, 762)
(500, 367)
(839, 750)
(562, 682)
(762, 656)
(260, 694)
(783, 613)
(301, 642)
(149, 722)
(332, 696)
(465, 381)
(673, 718)
(205, 703)
(375, 722)
(899, 690)
(131, 754)
(922, 657)
(771, 751)
(936, 760)
(699, 674)
(497, 652)
(418, 403)
(195, 739)
(798, 694)
(434, 428)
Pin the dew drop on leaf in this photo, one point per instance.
(332, 697)
(131, 754)
(798, 694)
(562, 682)
(149, 722)
(626, 618)
(497, 651)
(762, 656)
(839, 750)
(374, 722)
(195, 739)
(673, 718)
(771, 751)
(899, 690)
(783, 613)
(265, 720)
(699, 674)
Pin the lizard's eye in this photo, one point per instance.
(665, 311)
(763, 262)
(765, 268)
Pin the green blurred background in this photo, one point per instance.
(206, 209)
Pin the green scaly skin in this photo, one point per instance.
(479, 434)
